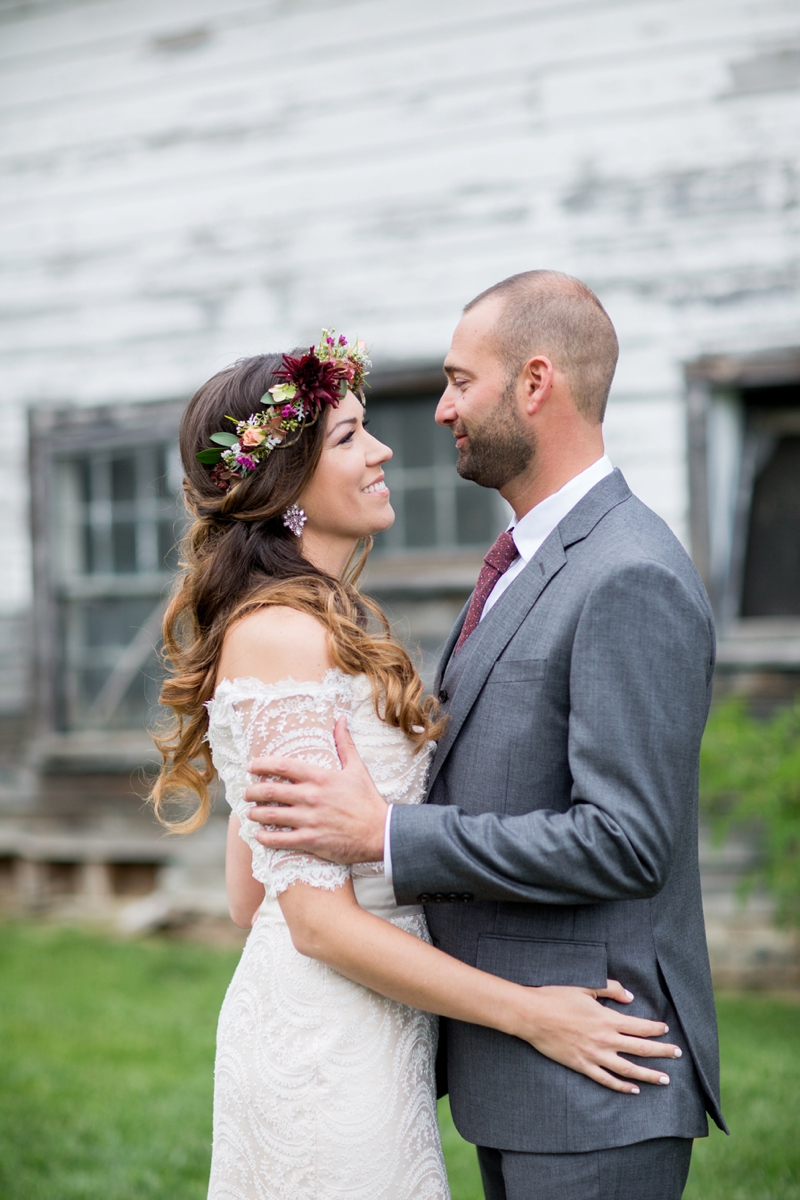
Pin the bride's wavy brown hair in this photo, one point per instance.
(237, 556)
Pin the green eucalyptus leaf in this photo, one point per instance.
(224, 439)
(209, 456)
(343, 386)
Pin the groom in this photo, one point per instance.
(558, 844)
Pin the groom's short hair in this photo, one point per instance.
(545, 312)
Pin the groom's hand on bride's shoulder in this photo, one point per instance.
(338, 815)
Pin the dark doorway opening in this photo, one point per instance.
(771, 576)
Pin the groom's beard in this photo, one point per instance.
(498, 451)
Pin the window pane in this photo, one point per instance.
(168, 535)
(100, 630)
(84, 479)
(419, 434)
(113, 622)
(420, 517)
(382, 425)
(772, 570)
(88, 550)
(123, 479)
(476, 517)
(123, 544)
(115, 514)
(90, 685)
(161, 481)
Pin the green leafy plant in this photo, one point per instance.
(750, 779)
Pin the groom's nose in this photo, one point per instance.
(446, 410)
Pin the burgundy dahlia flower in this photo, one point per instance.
(317, 382)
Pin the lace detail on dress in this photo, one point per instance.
(324, 1090)
(414, 923)
(250, 719)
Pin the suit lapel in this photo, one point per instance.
(494, 635)
(449, 646)
(515, 604)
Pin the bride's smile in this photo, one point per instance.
(346, 498)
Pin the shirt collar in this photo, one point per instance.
(532, 529)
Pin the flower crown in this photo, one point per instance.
(321, 377)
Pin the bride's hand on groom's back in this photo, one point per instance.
(568, 1025)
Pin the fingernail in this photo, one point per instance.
(629, 996)
(664, 1079)
(666, 1029)
(634, 1091)
(677, 1053)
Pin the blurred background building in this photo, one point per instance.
(187, 183)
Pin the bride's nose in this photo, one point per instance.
(377, 452)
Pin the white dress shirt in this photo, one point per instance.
(530, 532)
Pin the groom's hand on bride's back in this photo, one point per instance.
(339, 815)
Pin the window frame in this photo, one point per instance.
(719, 515)
(409, 384)
(55, 434)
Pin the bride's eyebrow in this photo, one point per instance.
(346, 421)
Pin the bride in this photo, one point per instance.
(324, 1079)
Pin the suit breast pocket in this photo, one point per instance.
(518, 670)
(539, 962)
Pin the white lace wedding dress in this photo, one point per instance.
(324, 1090)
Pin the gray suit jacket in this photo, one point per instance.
(559, 841)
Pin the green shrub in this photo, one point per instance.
(750, 781)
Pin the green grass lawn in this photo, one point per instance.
(106, 1051)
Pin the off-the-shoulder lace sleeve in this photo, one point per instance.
(249, 719)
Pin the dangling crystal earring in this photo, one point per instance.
(294, 518)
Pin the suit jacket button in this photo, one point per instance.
(424, 897)
(443, 696)
(466, 897)
(453, 896)
(439, 897)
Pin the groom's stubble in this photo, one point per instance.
(498, 450)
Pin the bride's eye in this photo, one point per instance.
(348, 437)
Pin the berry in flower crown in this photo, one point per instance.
(320, 377)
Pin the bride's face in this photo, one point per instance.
(346, 497)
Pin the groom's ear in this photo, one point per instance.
(536, 380)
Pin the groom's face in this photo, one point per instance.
(480, 404)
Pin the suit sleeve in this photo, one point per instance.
(639, 684)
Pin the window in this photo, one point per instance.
(109, 521)
(435, 509)
(771, 582)
(745, 472)
(122, 507)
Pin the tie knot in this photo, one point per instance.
(502, 553)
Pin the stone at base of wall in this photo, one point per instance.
(747, 949)
(746, 946)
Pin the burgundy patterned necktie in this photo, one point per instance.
(495, 564)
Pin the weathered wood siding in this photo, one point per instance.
(186, 181)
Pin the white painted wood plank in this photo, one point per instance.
(167, 212)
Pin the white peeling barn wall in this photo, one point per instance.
(188, 181)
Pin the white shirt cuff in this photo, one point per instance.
(387, 846)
